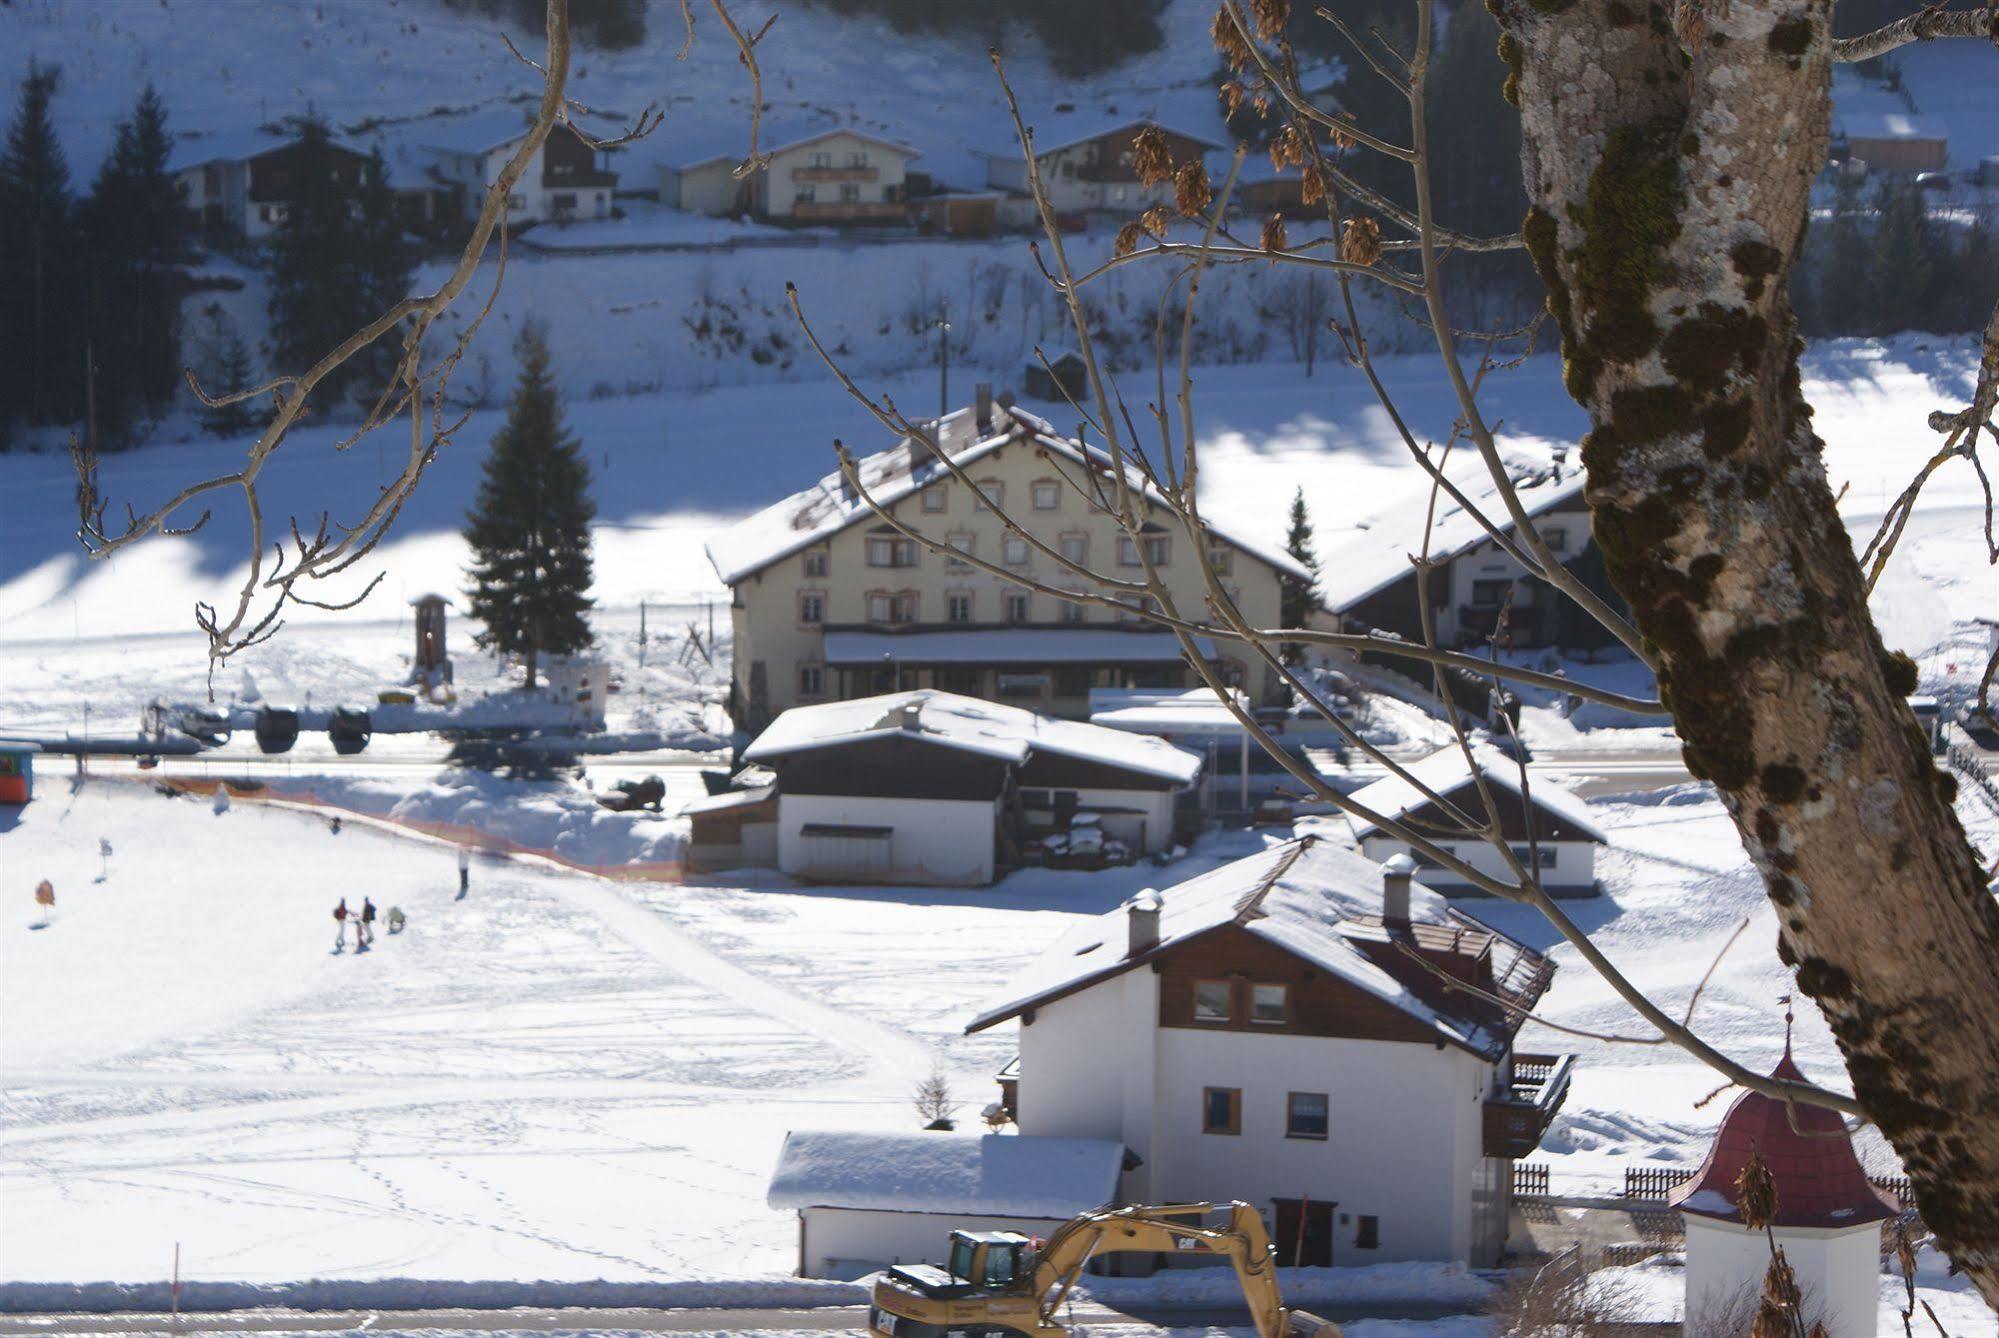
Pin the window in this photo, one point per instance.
(1013, 551)
(811, 680)
(857, 158)
(935, 499)
(815, 562)
(1072, 612)
(1135, 606)
(1305, 1115)
(1016, 606)
(812, 606)
(993, 489)
(850, 193)
(805, 192)
(1541, 855)
(958, 607)
(1488, 594)
(1211, 1001)
(1158, 547)
(1076, 549)
(1221, 1110)
(899, 607)
(1268, 1003)
(886, 550)
(1047, 494)
(1367, 1234)
(1221, 558)
(965, 542)
(1556, 537)
(820, 158)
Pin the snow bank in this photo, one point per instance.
(984, 1175)
(1427, 1283)
(421, 1294)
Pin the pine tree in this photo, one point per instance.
(224, 369)
(337, 262)
(41, 354)
(131, 285)
(1845, 279)
(530, 527)
(1905, 258)
(1295, 597)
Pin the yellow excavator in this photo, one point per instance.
(1001, 1283)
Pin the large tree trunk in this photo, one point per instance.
(1669, 199)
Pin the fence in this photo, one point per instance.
(1530, 1179)
(1653, 1182)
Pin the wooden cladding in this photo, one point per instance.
(1315, 1003)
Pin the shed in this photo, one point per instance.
(1548, 828)
(1896, 142)
(1065, 372)
(868, 1200)
(732, 830)
(17, 771)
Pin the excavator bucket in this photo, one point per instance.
(1303, 1324)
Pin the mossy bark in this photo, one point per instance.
(1669, 184)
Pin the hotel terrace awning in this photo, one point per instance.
(1008, 645)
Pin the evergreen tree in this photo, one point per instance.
(1905, 265)
(1295, 596)
(131, 286)
(530, 527)
(224, 368)
(337, 262)
(1844, 283)
(41, 354)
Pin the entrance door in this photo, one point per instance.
(1317, 1221)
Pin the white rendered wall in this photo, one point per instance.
(1838, 1273)
(948, 842)
(847, 1242)
(1574, 869)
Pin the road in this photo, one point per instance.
(537, 1319)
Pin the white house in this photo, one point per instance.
(1552, 833)
(930, 787)
(565, 179)
(1828, 1217)
(868, 1200)
(838, 175)
(241, 184)
(1087, 165)
(1284, 1031)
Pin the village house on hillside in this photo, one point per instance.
(829, 176)
(1093, 167)
(238, 187)
(828, 602)
(929, 787)
(1284, 1031)
(1477, 591)
(1552, 833)
(565, 179)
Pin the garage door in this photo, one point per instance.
(833, 850)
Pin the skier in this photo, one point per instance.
(464, 872)
(45, 897)
(340, 926)
(396, 919)
(367, 922)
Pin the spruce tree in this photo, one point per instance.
(1295, 596)
(41, 352)
(530, 527)
(1905, 258)
(224, 368)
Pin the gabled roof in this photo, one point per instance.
(1078, 128)
(970, 1175)
(1379, 557)
(1316, 901)
(784, 140)
(815, 514)
(1889, 125)
(192, 149)
(967, 724)
(1445, 772)
(1810, 1157)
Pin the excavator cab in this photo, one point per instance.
(979, 1263)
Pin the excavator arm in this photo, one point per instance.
(1171, 1229)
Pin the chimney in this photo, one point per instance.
(1141, 915)
(1395, 876)
(984, 415)
(912, 719)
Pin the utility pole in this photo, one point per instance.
(943, 357)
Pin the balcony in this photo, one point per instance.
(848, 173)
(1516, 1121)
(1008, 1079)
(848, 210)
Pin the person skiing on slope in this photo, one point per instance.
(340, 926)
(464, 872)
(367, 921)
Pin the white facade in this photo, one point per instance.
(1566, 868)
(579, 682)
(835, 176)
(939, 842)
(707, 187)
(1404, 1143)
(1838, 1272)
(846, 1243)
(537, 196)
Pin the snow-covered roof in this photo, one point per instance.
(1314, 900)
(969, 725)
(1889, 125)
(972, 1175)
(193, 149)
(1011, 645)
(731, 142)
(1445, 772)
(1057, 131)
(1379, 557)
(1189, 711)
(815, 514)
(728, 799)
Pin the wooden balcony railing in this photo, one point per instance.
(1516, 1121)
(849, 173)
